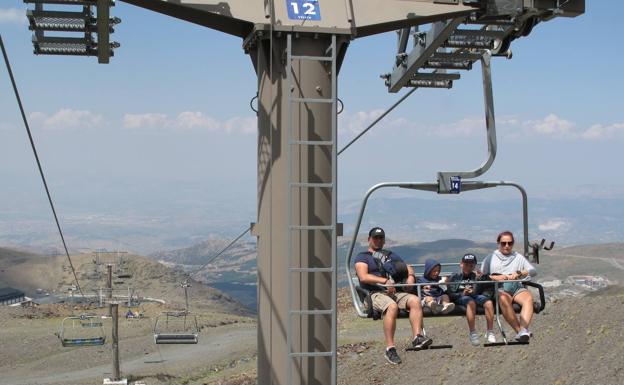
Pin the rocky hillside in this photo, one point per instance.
(237, 264)
(29, 272)
(576, 341)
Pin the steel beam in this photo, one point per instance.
(433, 38)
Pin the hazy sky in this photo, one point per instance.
(169, 119)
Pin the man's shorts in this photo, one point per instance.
(480, 299)
(381, 300)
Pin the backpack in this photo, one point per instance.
(389, 268)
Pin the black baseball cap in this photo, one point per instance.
(469, 258)
(376, 232)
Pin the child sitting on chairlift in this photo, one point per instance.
(466, 294)
(433, 296)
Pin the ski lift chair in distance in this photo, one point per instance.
(123, 274)
(178, 326)
(361, 297)
(83, 330)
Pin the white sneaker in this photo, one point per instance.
(523, 335)
(448, 307)
(491, 337)
(474, 338)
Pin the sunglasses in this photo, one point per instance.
(510, 243)
(379, 237)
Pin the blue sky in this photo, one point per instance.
(169, 120)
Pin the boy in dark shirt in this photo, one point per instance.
(466, 294)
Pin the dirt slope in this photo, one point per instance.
(29, 272)
(571, 345)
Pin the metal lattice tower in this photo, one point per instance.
(288, 43)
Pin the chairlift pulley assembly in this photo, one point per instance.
(88, 19)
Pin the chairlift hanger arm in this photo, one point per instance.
(490, 127)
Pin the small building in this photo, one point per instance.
(9, 296)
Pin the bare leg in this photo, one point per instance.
(471, 312)
(488, 306)
(506, 306)
(389, 323)
(525, 299)
(415, 315)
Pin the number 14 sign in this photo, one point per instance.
(303, 9)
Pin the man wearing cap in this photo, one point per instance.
(463, 292)
(372, 267)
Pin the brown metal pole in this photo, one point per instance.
(311, 121)
(115, 335)
(109, 285)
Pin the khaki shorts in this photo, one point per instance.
(381, 301)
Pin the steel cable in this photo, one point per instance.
(32, 144)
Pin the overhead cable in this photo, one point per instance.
(32, 144)
(221, 252)
(378, 119)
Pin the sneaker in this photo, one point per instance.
(491, 337)
(523, 336)
(435, 307)
(474, 338)
(448, 307)
(421, 342)
(392, 356)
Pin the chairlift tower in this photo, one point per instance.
(297, 48)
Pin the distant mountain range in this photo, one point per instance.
(235, 271)
(566, 220)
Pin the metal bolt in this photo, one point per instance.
(319, 89)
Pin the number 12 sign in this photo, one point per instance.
(303, 9)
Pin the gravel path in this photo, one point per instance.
(31, 354)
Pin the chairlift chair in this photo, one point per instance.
(85, 330)
(433, 187)
(177, 327)
(360, 296)
(122, 273)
